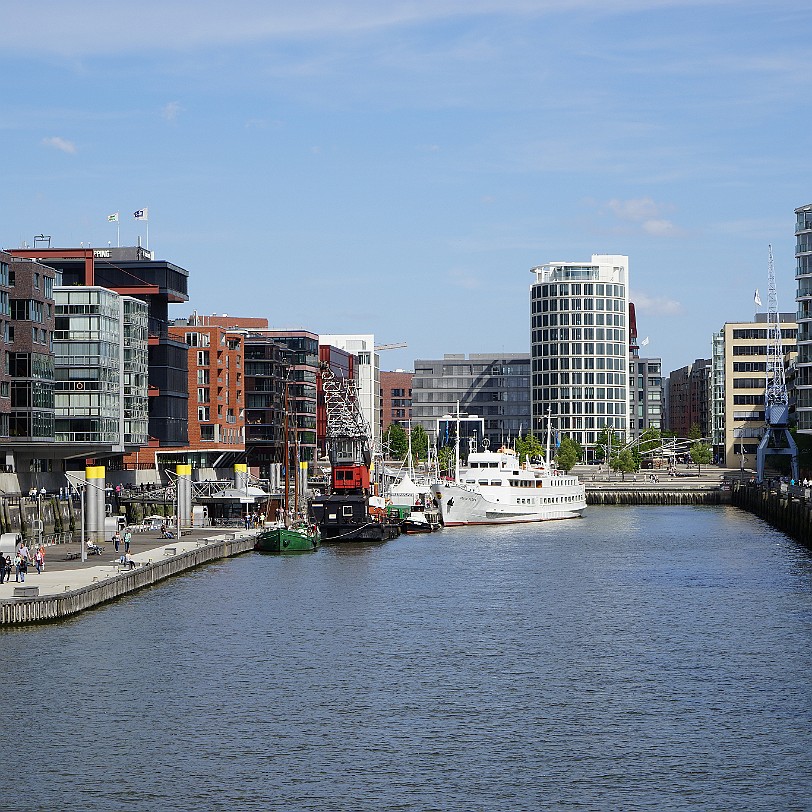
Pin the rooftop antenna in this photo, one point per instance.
(45, 239)
(777, 438)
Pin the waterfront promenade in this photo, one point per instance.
(69, 585)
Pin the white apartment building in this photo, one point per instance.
(369, 383)
(580, 347)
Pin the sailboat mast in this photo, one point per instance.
(457, 447)
(287, 459)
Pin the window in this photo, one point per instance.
(203, 414)
(203, 395)
(202, 358)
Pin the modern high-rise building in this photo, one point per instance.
(495, 388)
(689, 399)
(580, 347)
(740, 352)
(133, 271)
(100, 346)
(803, 297)
(396, 398)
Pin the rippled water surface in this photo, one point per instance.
(640, 658)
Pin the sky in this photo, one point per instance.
(397, 168)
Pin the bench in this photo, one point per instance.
(25, 592)
(186, 532)
(72, 556)
(170, 550)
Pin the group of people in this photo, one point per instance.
(253, 520)
(118, 539)
(22, 560)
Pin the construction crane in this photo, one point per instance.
(348, 433)
(777, 438)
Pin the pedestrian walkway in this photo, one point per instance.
(65, 571)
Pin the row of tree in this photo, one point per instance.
(568, 452)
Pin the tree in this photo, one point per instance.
(395, 437)
(624, 462)
(701, 454)
(420, 443)
(528, 446)
(607, 441)
(694, 433)
(649, 441)
(445, 460)
(568, 454)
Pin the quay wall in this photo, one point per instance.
(55, 607)
(786, 509)
(630, 495)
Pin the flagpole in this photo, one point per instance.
(118, 233)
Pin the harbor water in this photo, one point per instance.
(639, 658)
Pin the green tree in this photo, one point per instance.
(694, 433)
(624, 462)
(606, 441)
(701, 454)
(396, 439)
(445, 460)
(529, 446)
(420, 443)
(568, 454)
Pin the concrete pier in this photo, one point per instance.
(70, 586)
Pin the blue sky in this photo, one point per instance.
(398, 167)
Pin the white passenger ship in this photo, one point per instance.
(495, 488)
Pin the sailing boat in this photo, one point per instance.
(423, 515)
(294, 533)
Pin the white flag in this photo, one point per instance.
(757, 299)
(141, 214)
(112, 218)
(644, 342)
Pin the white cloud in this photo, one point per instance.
(56, 142)
(464, 279)
(171, 110)
(656, 305)
(645, 214)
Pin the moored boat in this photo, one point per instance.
(495, 487)
(303, 538)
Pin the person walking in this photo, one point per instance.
(38, 560)
(21, 563)
(116, 540)
(42, 556)
(127, 539)
(3, 571)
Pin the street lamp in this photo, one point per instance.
(80, 486)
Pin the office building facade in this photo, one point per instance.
(803, 296)
(580, 347)
(740, 351)
(690, 399)
(493, 387)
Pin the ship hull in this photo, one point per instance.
(287, 540)
(460, 506)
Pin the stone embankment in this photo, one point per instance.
(786, 508)
(95, 585)
(669, 492)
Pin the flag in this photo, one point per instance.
(644, 342)
(112, 218)
(141, 214)
(757, 299)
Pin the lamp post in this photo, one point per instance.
(80, 486)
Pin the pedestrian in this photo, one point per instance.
(38, 560)
(42, 556)
(116, 540)
(21, 563)
(2, 568)
(127, 539)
